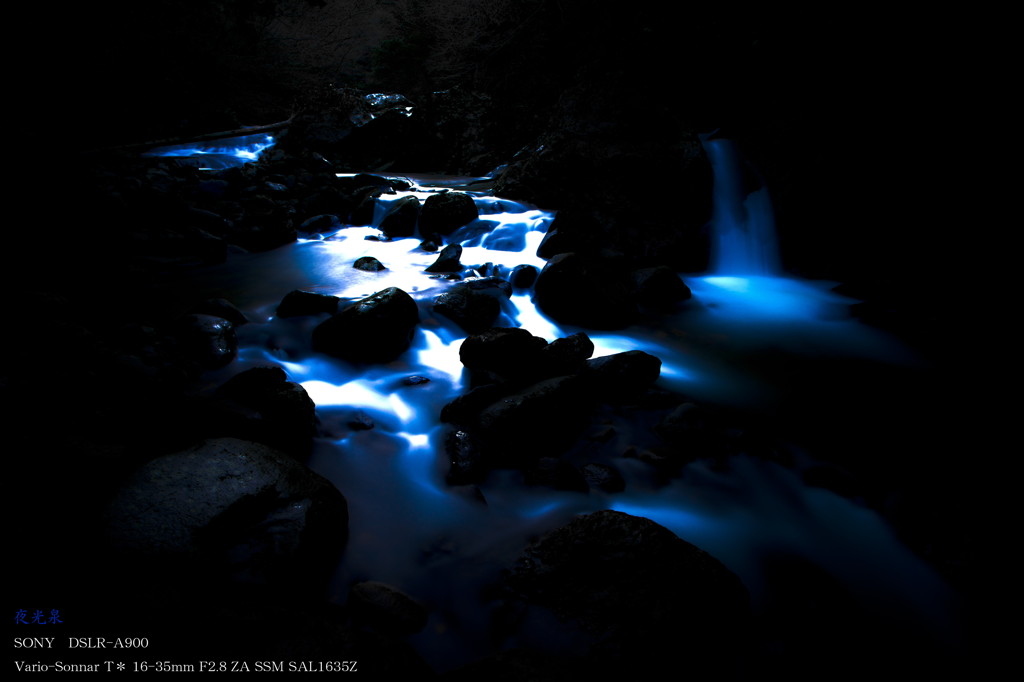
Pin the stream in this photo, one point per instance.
(382, 445)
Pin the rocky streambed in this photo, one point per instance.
(348, 416)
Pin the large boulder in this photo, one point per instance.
(444, 213)
(285, 415)
(400, 220)
(208, 340)
(589, 291)
(471, 309)
(639, 598)
(298, 303)
(378, 328)
(505, 353)
(242, 510)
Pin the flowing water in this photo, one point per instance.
(445, 544)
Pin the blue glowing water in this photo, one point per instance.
(218, 154)
(442, 543)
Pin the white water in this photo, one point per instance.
(443, 544)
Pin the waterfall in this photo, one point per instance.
(742, 219)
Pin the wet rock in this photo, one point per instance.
(242, 510)
(287, 415)
(622, 375)
(378, 328)
(523, 276)
(603, 477)
(512, 426)
(327, 208)
(361, 421)
(298, 302)
(386, 608)
(266, 224)
(502, 352)
(472, 310)
(659, 288)
(401, 218)
(319, 224)
(415, 380)
(366, 206)
(572, 232)
(567, 355)
(641, 596)
(368, 264)
(209, 340)
(588, 291)
(466, 462)
(492, 285)
(223, 308)
(447, 260)
(444, 213)
(542, 419)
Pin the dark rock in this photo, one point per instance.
(296, 303)
(287, 414)
(572, 232)
(466, 462)
(505, 352)
(514, 426)
(415, 380)
(542, 419)
(429, 246)
(369, 264)
(328, 206)
(622, 375)
(494, 286)
(587, 291)
(319, 224)
(208, 340)
(366, 206)
(361, 422)
(378, 328)
(386, 608)
(447, 260)
(472, 310)
(465, 409)
(444, 213)
(523, 276)
(223, 308)
(567, 355)
(266, 224)
(603, 477)
(640, 594)
(659, 288)
(400, 220)
(244, 510)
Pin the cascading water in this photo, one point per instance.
(219, 154)
(383, 445)
(744, 225)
